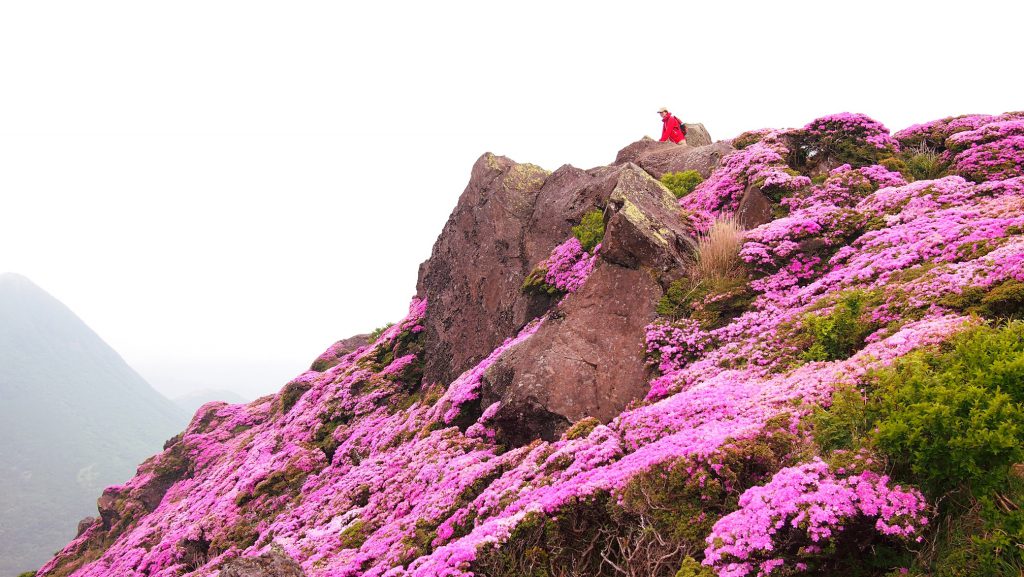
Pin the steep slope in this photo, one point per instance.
(74, 418)
(836, 390)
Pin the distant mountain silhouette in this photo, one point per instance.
(74, 418)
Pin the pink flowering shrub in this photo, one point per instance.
(846, 186)
(564, 271)
(843, 138)
(995, 160)
(933, 134)
(671, 345)
(805, 510)
(762, 164)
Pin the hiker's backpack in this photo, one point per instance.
(682, 126)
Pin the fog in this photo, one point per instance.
(223, 189)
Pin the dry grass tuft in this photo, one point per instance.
(716, 254)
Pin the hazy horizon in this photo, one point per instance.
(199, 181)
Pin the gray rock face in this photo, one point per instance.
(272, 564)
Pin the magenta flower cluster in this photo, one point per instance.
(672, 345)
(569, 265)
(848, 125)
(804, 509)
(762, 164)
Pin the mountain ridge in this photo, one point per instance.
(74, 418)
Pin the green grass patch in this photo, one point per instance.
(682, 183)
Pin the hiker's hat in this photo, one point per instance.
(662, 109)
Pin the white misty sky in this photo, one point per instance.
(223, 189)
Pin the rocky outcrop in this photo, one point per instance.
(84, 525)
(507, 220)
(697, 135)
(754, 209)
(333, 355)
(644, 226)
(658, 158)
(588, 360)
(272, 564)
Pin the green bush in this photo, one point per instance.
(590, 230)
(535, 283)
(845, 424)
(924, 165)
(682, 183)
(692, 568)
(712, 303)
(895, 165)
(354, 535)
(952, 422)
(582, 428)
(956, 420)
(377, 332)
(841, 333)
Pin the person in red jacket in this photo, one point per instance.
(672, 129)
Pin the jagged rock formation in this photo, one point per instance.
(645, 407)
(74, 418)
(589, 361)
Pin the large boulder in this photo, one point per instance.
(508, 220)
(644, 225)
(697, 135)
(587, 360)
(271, 564)
(658, 158)
(754, 209)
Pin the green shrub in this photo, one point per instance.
(28, 574)
(845, 424)
(354, 535)
(535, 283)
(949, 420)
(377, 332)
(291, 394)
(749, 138)
(1002, 301)
(582, 428)
(895, 165)
(841, 333)
(956, 420)
(692, 568)
(682, 183)
(925, 165)
(288, 480)
(590, 230)
(712, 303)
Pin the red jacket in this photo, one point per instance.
(672, 129)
